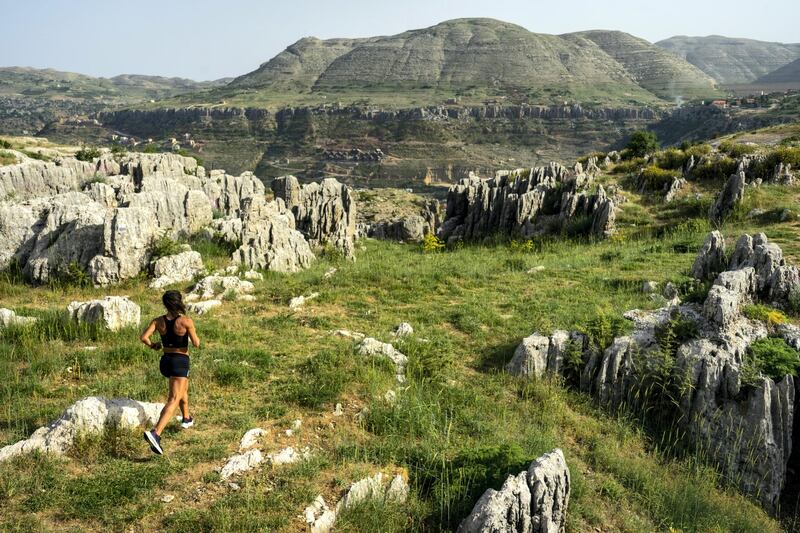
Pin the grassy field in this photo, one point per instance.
(459, 425)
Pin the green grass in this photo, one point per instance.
(458, 426)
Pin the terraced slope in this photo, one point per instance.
(483, 56)
(730, 60)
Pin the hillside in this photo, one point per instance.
(786, 75)
(729, 60)
(477, 58)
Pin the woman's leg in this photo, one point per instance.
(175, 391)
(184, 403)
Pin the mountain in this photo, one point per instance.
(786, 75)
(48, 82)
(729, 60)
(482, 57)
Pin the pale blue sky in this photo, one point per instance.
(207, 39)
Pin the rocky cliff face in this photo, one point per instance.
(743, 427)
(106, 227)
(526, 202)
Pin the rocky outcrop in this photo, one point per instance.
(731, 196)
(533, 501)
(268, 238)
(33, 177)
(112, 313)
(178, 268)
(324, 212)
(744, 427)
(370, 347)
(87, 416)
(378, 488)
(526, 202)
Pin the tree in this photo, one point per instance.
(641, 143)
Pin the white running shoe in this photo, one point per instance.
(186, 423)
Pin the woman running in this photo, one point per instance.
(175, 329)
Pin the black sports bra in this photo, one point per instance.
(170, 339)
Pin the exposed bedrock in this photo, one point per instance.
(527, 202)
(744, 426)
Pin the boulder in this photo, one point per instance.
(220, 286)
(178, 268)
(112, 312)
(370, 347)
(87, 416)
(533, 501)
(10, 318)
(240, 463)
(403, 329)
(201, 308)
(288, 456)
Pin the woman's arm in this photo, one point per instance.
(192, 333)
(145, 338)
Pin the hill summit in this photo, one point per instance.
(483, 57)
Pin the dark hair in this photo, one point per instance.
(173, 301)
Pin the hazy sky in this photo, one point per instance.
(205, 39)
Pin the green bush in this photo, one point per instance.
(653, 178)
(671, 159)
(87, 153)
(603, 328)
(431, 243)
(773, 357)
(675, 331)
(5, 144)
(766, 314)
(629, 167)
(641, 143)
(784, 154)
(736, 149)
(715, 169)
(164, 246)
(36, 155)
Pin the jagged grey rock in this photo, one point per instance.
(533, 501)
(324, 212)
(240, 463)
(89, 415)
(204, 307)
(216, 285)
(112, 312)
(370, 347)
(178, 268)
(710, 259)
(731, 195)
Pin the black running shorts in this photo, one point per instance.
(174, 366)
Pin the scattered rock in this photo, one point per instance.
(649, 287)
(289, 456)
(253, 275)
(112, 312)
(534, 270)
(404, 329)
(89, 415)
(299, 301)
(167, 498)
(240, 463)
(220, 286)
(201, 308)
(338, 411)
(349, 334)
(251, 438)
(329, 273)
(10, 318)
(370, 347)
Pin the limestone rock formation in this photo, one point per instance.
(711, 259)
(324, 212)
(240, 463)
(112, 312)
(524, 203)
(731, 195)
(534, 501)
(378, 488)
(87, 416)
(178, 268)
(744, 428)
(268, 238)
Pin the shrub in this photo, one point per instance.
(671, 159)
(603, 328)
(5, 144)
(736, 149)
(7, 158)
(784, 154)
(36, 155)
(641, 143)
(653, 178)
(526, 246)
(164, 246)
(773, 357)
(628, 167)
(431, 243)
(793, 301)
(716, 169)
(769, 315)
(674, 332)
(87, 153)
